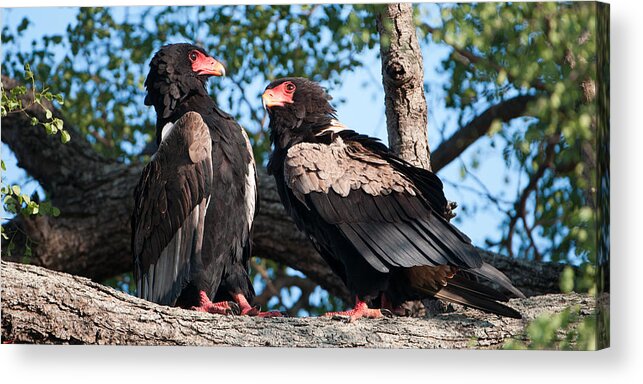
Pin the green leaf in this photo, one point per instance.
(28, 73)
(64, 137)
(16, 189)
(34, 121)
(48, 114)
(567, 280)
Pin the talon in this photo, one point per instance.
(386, 313)
(234, 308)
(250, 311)
(220, 308)
(247, 310)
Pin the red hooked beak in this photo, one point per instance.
(278, 96)
(206, 65)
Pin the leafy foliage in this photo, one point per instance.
(562, 331)
(13, 200)
(500, 50)
(12, 102)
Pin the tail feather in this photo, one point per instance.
(477, 288)
(476, 300)
(490, 273)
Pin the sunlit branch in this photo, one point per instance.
(462, 139)
(521, 205)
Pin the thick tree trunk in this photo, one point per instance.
(43, 306)
(403, 78)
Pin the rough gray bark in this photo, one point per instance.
(43, 306)
(403, 78)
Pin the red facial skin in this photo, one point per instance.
(205, 65)
(280, 95)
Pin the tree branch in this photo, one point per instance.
(504, 111)
(403, 78)
(521, 205)
(47, 307)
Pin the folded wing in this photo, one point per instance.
(171, 200)
(376, 206)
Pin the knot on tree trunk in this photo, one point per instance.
(395, 71)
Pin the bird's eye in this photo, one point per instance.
(290, 87)
(192, 56)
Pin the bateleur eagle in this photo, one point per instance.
(196, 199)
(379, 222)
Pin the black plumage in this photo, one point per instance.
(379, 222)
(192, 222)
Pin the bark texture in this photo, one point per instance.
(48, 307)
(403, 78)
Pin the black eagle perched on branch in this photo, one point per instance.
(379, 222)
(196, 199)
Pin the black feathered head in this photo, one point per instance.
(296, 106)
(177, 71)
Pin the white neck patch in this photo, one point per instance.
(335, 126)
(166, 130)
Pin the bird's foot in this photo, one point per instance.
(360, 310)
(248, 310)
(221, 308)
(395, 310)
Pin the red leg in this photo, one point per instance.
(205, 305)
(248, 310)
(360, 310)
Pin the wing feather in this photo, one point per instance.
(170, 205)
(376, 206)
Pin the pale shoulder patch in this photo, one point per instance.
(342, 167)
